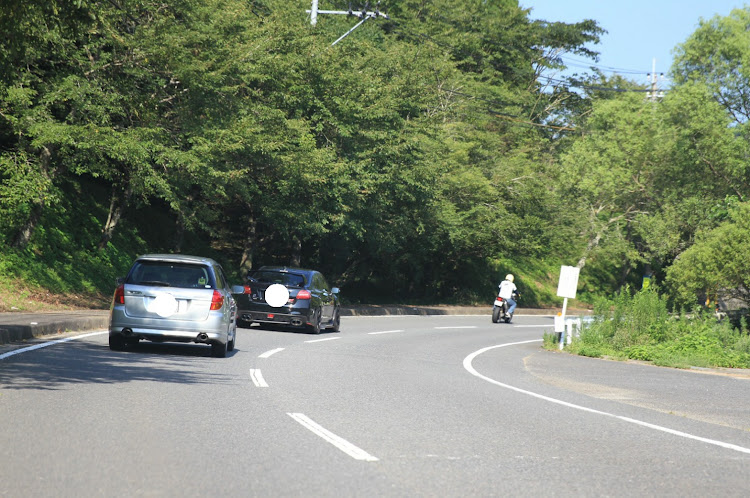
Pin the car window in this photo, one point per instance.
(277, 277)
(319, 282)
(167, 274)
(221, 282)
(323, 282)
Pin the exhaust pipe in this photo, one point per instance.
(296, 322)
(202, 337)
(127, 332)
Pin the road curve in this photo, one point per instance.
(391, 406)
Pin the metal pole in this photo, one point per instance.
(562, 336)
(348, 32)
(314, 13)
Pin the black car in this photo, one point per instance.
(293, 297)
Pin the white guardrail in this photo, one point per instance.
(569, 327)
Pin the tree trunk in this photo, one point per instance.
(179, 236)
(248, 252)
(296, 252)
(21, 240)
(116, 207)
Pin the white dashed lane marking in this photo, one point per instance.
(257, 378)
(338, 442)
(271, 352)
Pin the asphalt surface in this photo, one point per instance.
(22, 326)
(391, 406)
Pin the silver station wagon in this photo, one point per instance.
(175, 298)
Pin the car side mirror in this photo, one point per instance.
(335, 290)
(238, 289)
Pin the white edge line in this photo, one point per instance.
(326, 339)
(50, 343)
(468, 366)
(338, 442)
(271, 352)
(385, 332)
(257, 378)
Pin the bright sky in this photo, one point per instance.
(638, 31)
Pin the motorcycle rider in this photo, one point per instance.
(507, 291)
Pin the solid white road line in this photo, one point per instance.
(471, 370)
(257, 378)
(338, 442)
(50, 343)
(271, 352)
(385, 332)
(326, 339)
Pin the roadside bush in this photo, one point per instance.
(639, 327)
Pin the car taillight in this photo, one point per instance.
(247, 290)
(120, 295)
(217, 301)
(304, 294)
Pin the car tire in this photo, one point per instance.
(315, 327)
(219, 349)
(117, 342)
(495, 314)
(335, 322)
(230, 344)
(243, 324)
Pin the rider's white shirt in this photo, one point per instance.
(506, 289)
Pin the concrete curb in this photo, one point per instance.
(21, 326)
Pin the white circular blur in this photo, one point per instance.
(277, 295)
(164, 305)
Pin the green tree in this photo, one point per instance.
(718, 262)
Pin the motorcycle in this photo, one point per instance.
(500, 309)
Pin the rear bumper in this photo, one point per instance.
(213, 329)
(294, 318)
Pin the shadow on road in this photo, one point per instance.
(85, 362)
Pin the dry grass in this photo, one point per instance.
(15, 295)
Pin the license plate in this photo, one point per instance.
(498, 302)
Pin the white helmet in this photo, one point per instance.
(509, 276)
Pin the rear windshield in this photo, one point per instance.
(275, 277)
(166, 274)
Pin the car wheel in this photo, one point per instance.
(230, 344)
(315, 327)
(243, 324)
(336, 322)
(219, 349)
(117, 342)
(495, 314)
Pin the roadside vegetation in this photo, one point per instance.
(639, 326)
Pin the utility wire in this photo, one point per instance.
(567, 84)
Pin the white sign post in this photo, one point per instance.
(566, 288)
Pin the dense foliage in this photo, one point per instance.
(415, 161)
(637, 326)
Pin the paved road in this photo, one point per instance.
(391, 406)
